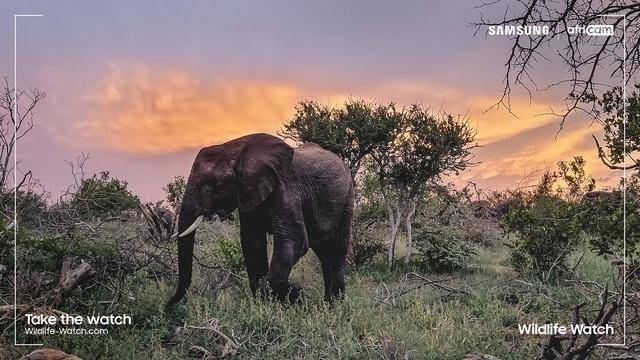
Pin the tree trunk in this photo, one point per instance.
(393, 215)
(408, 220)
(393, 236)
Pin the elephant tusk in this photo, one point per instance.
(193, 226)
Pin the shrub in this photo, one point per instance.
(365, 246)
(444, 248)
(102, 195)
(546, 220)
(228, 252)
(603, 219)
(547, 233)
(368, 228)
(175, 190)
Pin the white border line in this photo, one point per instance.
(624, 178)
(15, 178)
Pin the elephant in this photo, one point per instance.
(502, 208)
(601, 195)
(165, 218)
(482, 209)
(302, 196)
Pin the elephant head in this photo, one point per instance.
(241, 173)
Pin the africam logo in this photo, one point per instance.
(537, 30)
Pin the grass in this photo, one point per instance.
(370, 323)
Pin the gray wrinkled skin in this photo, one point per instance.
(303, 196)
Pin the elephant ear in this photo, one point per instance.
(260, 168)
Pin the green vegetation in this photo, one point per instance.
(372, 321)
(102, 195)
(471, 273)
(406, 150)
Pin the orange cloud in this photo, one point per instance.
(492, 125)
(498, 124)
(137, 109)
(536, 150)
(141, 110)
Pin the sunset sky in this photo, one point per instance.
(141, 86)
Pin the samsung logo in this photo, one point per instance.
(510, 30)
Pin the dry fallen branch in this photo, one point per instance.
(230, 346)
(402, 290)
(575, 349)
(203, 353)
(632, 351)
(71, 277)
(438, 284)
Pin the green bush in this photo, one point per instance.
(444, 249)
(368, 238)
(102, 195)
(545, 220)
(228, 252)
(603, 220)
(547, 234)
(175, 191)
(365, 246)
(31, 206)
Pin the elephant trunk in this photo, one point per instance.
(187, 218)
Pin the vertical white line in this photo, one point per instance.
(15, 180)
(15, 177)
(624, 180)
(624, 176)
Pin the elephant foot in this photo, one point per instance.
(262, 290)
(295, 294)
(283, 291)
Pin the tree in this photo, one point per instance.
(175, 190)
(351, 132)
(102, 195)
(546, 220)
(17, 112)
(584, 56)
(575, 178)
(423, 147)
(610, 114)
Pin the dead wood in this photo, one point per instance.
(572, 347)
(70, 277)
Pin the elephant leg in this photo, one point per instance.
(254, 251)
(338, 271)
(333, 258)
(339, 256)
(289, 244)
(325, 261)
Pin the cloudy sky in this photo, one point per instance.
(141, 86)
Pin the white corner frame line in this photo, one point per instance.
(15, 178)
(624, 178)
